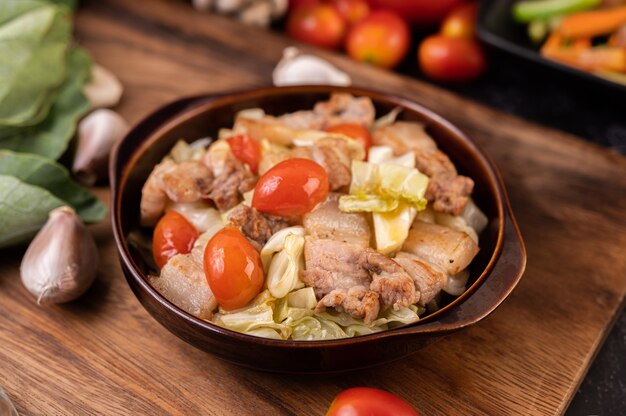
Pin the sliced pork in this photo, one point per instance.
(255, 226)
(427, 280)
(357, 301)
(447, 190)
(445, 249)
(345, 108)
(327, 221)
(233, 181)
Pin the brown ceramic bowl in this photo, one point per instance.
(494, 272)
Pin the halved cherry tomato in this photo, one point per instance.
(352, 10)
(173, 235)
(233, 269)
(366, 401)
(319, 25)
(354, 131)
(381, 39)
(292, 187)
(461, 22)
(451, 59)
(247, 150)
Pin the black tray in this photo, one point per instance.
(496, 27)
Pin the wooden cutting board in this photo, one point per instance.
(105, 355)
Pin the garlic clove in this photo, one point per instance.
(60, 263)
(97, 133)
(279, 8)
(6, 407)
(229, 6)
(257, 14)
(297, 69)
(104, 89)
(202, 5)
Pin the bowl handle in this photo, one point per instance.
(506, 273)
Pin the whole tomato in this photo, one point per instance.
(461, 22)
(365, 401)
(381, 39)
(451, 59)
(352, 10)
(292, 187)
(173, 235)
(354, 131)
(233, 269)
(319, 25)
(420, 12)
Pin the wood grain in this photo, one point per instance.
(105, 355)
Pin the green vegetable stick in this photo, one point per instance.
(527, 11)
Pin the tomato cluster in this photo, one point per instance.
(377, 32)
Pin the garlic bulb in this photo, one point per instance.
(104, 89)
(61, 262)
(97, 133)
(257, 14)
(297, 69)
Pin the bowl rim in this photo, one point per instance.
(204, 103)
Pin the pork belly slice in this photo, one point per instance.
(331, 265)
(428, 281)
(392, 283)
(334, 270)
(232, 182)
(447, 190)
(255, 226)
(345, 108)
(182, 282)
(327, 221)
(357, 301)
(443, 248)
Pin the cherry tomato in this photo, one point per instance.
(173, 235)
(451, 59)
(354, 131)
(461, 22)
(233, 269)
(365, 401)
(247, 150)
(319, 25)
(381, 39)
(421, 12)
(292, 187)
(352, 10)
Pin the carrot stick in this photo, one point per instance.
(593, 23)
(581, 44)
(593, 59)
(554, 42)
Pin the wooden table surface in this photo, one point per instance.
(104, 354)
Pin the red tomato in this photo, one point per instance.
(451, 59)
(421, 12)
(319, 25)
(381, 39)
(233, 269)
(173, 235)
(354, 131)
(365, 401)
(247, 150)
(461, 22)
(292, 187)
(352, 10)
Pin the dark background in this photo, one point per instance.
(594, 113)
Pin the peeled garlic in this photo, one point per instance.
(104, 89)
(296, 69)
(97, 133)
(61, 262)
(229, 6)
(279, 8)
(257, 14)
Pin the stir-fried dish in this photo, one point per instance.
(587, 34)
(320, 224)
